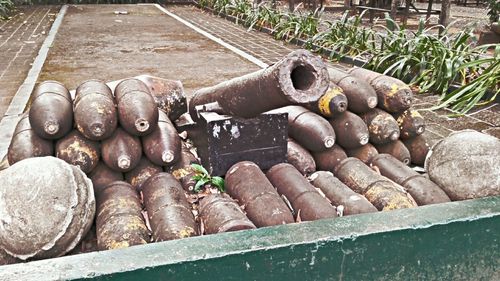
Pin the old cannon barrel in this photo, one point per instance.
(298, 78)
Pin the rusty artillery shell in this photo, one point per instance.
(119, 221)
(332, 103)
(122, 151)
(364, 153)
(382, 126)
(299, 78)
(393, 94)
(163, 145)
(379, 190)
(300, 193)
(168, 210)
(25, 143)
(309, 129)
(102, 175)
(300, 158)
(137, 110)
(77, 150)
(339, 194)
(95, 110)
(411, 123)
(248, 184)
(350, 129)
(168, 95)
(360, 94)
(182, 169)
(219, 213)
(51, 112)
(329, 159)
(141, 173)
(423, 190)
(418, 148)
(396, 149)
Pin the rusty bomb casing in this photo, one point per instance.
(263, 205)
(329, 159)
(419, 148)
(299, 78)
(332, 103)
(168, 94)
(383, 193)
(77, 150)
(382, 126)
(364, 153)
(309, 129)
(141, 173)
(137, 110)
(94, 110)
(339, 194)
(51, 111)
(393, 94)
(122, 151)
(163, 145)
(119, 221)
(396, 149)
(25, 143)
(305, 200)
(300, 158)
(423, 190)
(182, 169)
(360, 94)
(350, 130)
(220, 213)
(168, 210)
(411, 123)
(102, 175)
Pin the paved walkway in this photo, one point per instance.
(20, 40)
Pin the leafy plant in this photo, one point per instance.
(6, 7)
(493, 10)
(202, 178)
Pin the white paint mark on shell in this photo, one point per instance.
(216, 131)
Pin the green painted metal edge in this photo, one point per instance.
(451, 241)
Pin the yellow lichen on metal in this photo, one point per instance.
(324, 101)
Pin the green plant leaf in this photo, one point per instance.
(199, 169)
(219, 183)
(200, 184)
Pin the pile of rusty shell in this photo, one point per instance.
(25, 143)
(102, 175)
(423, 190)
(163, 145)
(364, 153)
(382, 126)
(141, 173)
(396, 149)
(305, 200)
(339, 194)
(122, 151)
(95, 110)
(309, 129)
(220, 213)
(300, 158)
(360, 94)
(299, 78)
(248, 184)
(119, 221)
(182, 169)
(332, 103)
(77, 150)
(411, 123)
(418, 148)
(383, 193)
(51, 111)
(329, 159)
(137, 110)
(168, 94)
(168, 210)
(350, 129)
(393, 94)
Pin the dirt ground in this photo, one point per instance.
(95, 43)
